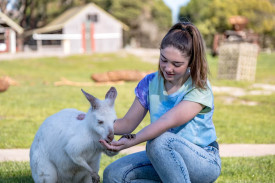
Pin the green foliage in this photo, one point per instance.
(161, 14)
(213, 15)
(142, 16)
(127, 11)
(104, 4)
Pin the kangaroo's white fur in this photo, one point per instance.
(66, 149)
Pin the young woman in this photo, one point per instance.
(181, 139)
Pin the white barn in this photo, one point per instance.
(84, 29)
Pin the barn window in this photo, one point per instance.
(92, 17)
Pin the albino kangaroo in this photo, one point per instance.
(68, 150)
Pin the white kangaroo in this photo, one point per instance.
(66, 149)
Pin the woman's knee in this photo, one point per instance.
(107, 174)
(125, 168)
(164, 144)
(159, 145)
(111, 174)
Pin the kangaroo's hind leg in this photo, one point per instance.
(43, 171)
(84, 177)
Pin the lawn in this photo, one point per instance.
(234, 170)
(24, 107)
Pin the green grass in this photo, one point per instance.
(239, 123)
(20, 172)
(24, 107)
(248, 170)
(242, 170)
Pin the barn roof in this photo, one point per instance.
(61, 20)
(6, 21)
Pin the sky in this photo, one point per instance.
(175, 6)
(10, 4)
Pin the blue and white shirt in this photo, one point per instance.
(152, 95)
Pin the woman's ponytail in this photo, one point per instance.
(198, 64)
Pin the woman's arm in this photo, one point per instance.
(131, 120)
(178, 115)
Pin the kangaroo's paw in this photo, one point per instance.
(95, 177)
(128, 136)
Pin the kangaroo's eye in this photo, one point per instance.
(100, 122)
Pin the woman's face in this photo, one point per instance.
(173, 64)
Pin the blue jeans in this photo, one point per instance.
(169, 158)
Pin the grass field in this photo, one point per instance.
(234, 170)
(24, 107)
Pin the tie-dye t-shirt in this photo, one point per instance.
(152, 95)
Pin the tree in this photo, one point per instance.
(146, 18)
(3, 5)
(213, 16)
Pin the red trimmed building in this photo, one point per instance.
(11, 35)
(84, 29)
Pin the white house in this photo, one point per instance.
(84, 29)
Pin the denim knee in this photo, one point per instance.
(106, 174)
(128, 168)
(111, 176)
(156, 146)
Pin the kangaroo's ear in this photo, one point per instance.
(111, 95)
(91, 99)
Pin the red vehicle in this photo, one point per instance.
(238, 34)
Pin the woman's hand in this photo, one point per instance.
(124, 142)
(116, 145)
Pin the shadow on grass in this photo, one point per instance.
(17, 179)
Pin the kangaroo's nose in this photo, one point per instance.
(110, 136)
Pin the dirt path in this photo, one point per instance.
(226, 150)
(230, 150)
